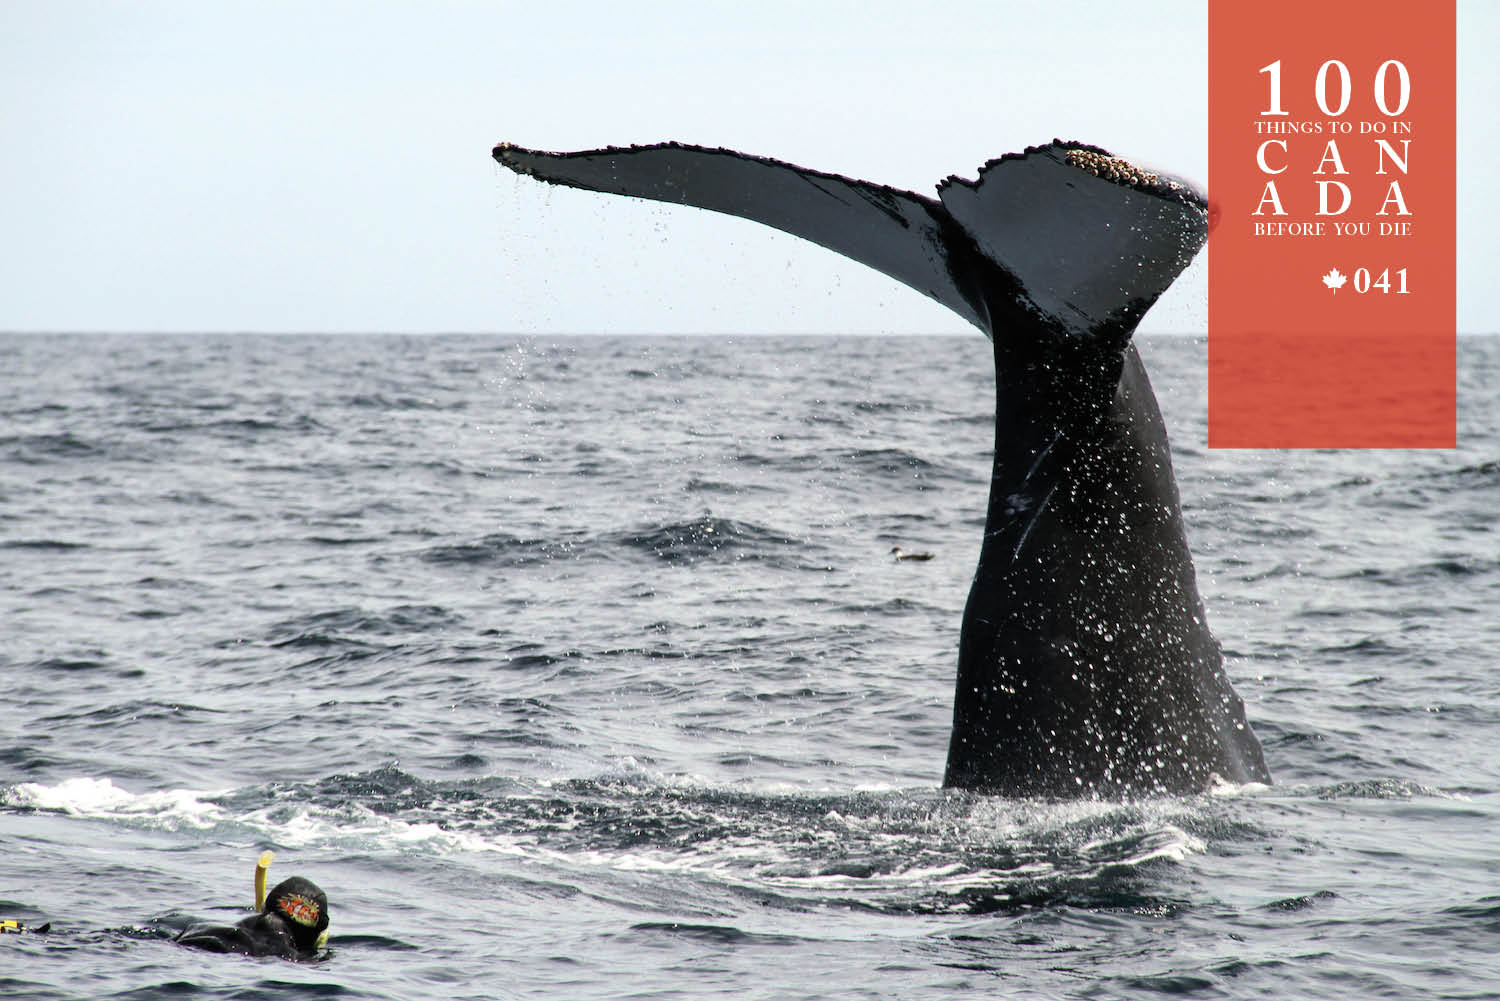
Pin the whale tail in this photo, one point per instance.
(1085, 663)
(1074, 240)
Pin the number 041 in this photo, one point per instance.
(1363, 282)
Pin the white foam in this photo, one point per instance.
(96, 797)
(1104, 835)
(301, 827)
(1224, 789)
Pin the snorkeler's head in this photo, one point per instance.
(305, 908)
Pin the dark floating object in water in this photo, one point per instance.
(290, 922)
(1085, 667)
(902, 554)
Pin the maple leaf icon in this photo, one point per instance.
(1334, 280)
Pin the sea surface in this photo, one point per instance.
(580, 668)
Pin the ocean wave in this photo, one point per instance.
(705, 538)
(890, 461)
(100, 798)
(504, 550)
(135, 709)
(36, 449)
(380, 401)
(897, 851)
(348, 625)
(1467, 477)
(92, 661)
(698, 484)
(44, 545)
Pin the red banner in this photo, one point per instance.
(1332, 316)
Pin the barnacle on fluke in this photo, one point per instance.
(1122, 171)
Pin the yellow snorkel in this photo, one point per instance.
(260, 878)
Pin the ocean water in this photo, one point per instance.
(580, 669)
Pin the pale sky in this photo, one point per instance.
(318, 165)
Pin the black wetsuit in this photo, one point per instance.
(290, 926)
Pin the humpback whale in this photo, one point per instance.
(1086, 667)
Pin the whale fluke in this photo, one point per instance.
(895, 232)
(1086, 666)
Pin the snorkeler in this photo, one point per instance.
(290, 922)
(10, 926)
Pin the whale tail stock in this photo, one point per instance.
(1086, 666)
